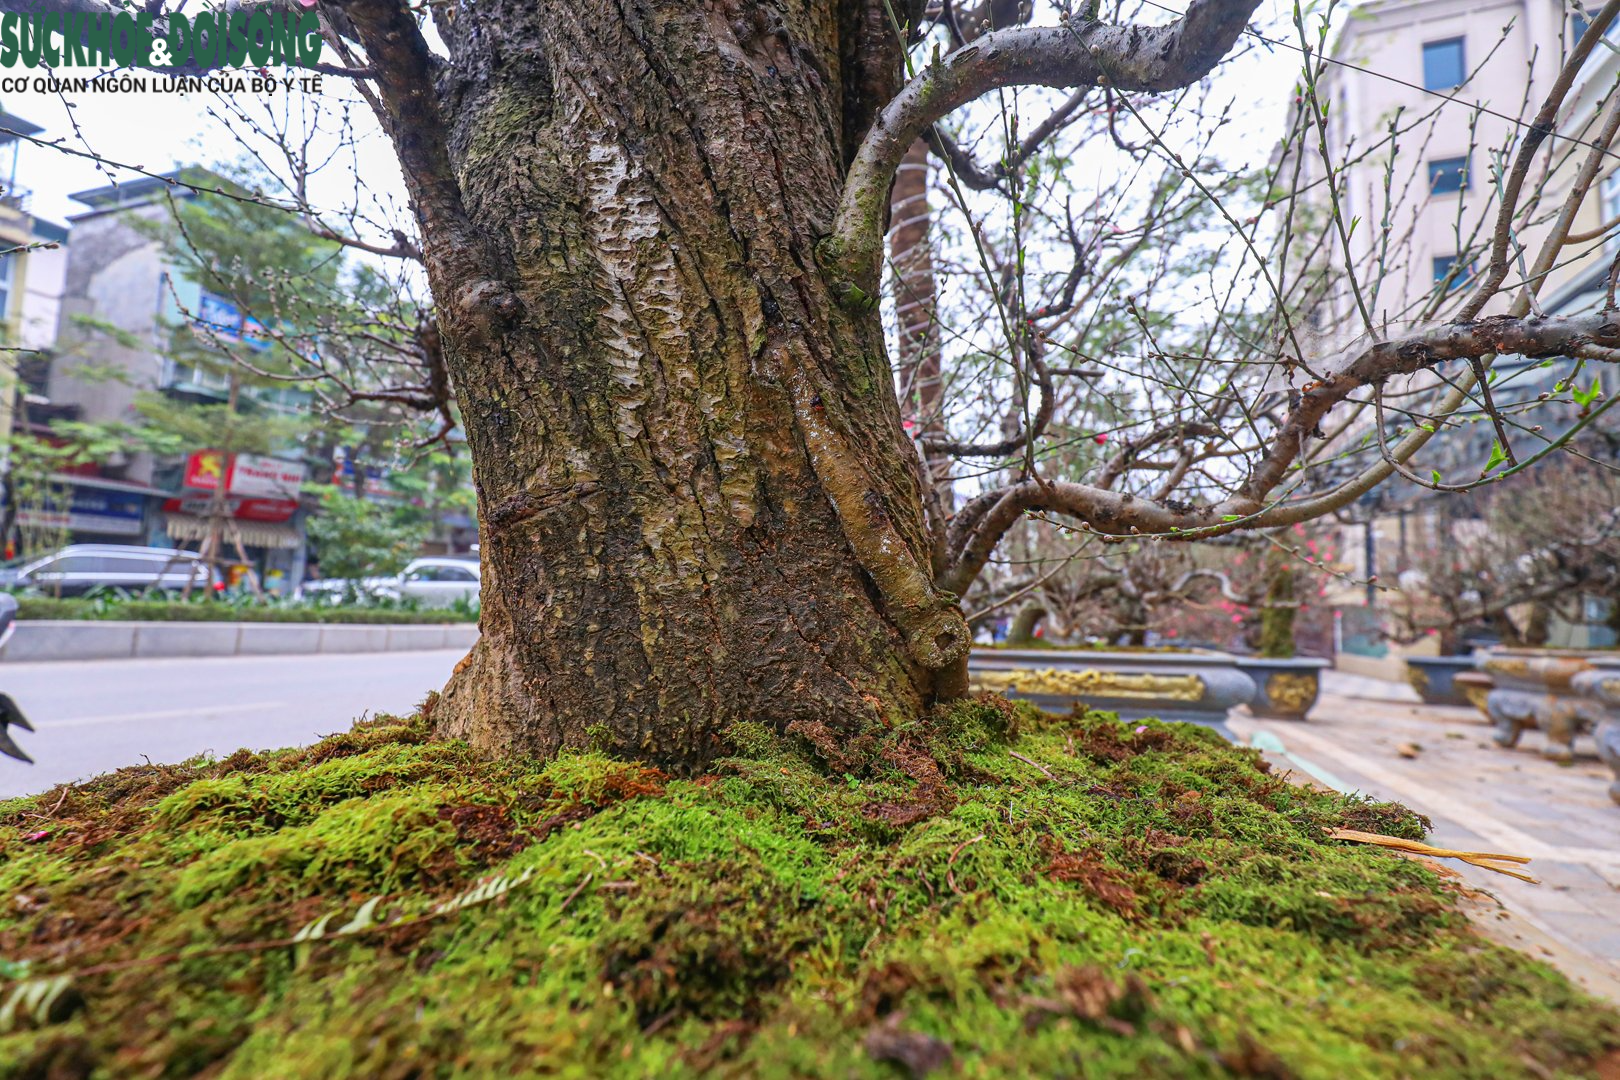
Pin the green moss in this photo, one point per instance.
(1116, 900)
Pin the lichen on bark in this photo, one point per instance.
(700, 506)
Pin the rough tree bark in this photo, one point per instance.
(685, 447)
(918, 345)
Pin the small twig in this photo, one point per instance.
(1035, 764)
(950, 874)
(661, 1020)
(577, 890)
(52, 812)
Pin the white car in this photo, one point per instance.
(81, 568)
(435, 581)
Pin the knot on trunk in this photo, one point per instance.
(490, 306)
(939, 638)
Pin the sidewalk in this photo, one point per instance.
(1480, 798)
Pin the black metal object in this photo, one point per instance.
(11, 716)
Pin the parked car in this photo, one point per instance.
(435, 581)
(79, 568)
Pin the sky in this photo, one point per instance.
(161, 131)
(157, 132)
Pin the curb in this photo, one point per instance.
(75, 639)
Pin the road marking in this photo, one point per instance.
(46, 726)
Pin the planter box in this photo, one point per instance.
(1433, 677)
(1284, 689)
(1476, 686)
(1195, 687)
(1535, 689)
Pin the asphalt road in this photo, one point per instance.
(95, 716)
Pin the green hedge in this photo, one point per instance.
(44, 607)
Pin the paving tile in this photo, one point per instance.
(1480, 796)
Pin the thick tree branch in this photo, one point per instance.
(969, 173)
(1533, 337)
(453, 250)
(1078, 53)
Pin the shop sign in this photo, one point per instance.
(90, 510)
(266, 510)
(253, 476)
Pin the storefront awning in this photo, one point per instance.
(257, 534)
(101, 483)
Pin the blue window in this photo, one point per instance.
(1443, 269)
(1443, 64)
(1579, 24)
(1448, 175)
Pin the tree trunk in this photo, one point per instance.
(1024, 623)
(920, 358)
(1280, 608)
(697, 503)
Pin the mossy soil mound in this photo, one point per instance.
(1081, 898)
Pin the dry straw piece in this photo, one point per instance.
(1482, 859)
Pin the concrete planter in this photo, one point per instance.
(1434, 678)
(1284, 689)
(1476, 686)
(1601, 684)
(1195, 687)
(1535, 689)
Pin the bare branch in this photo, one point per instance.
(1078, 53)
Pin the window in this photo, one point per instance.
(456, 573)
(1448, 175)
(126, 564)
(1580, 23)
(1443, 64)
(7, 264)
(1609, 197)
(1443, 269)
(70, 564)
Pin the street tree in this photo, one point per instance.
(654, 235)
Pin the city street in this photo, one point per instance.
(99, 715)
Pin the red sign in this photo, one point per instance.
(267, 510)
(203, 469)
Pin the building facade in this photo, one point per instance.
(1427, 102)
(121, 302)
